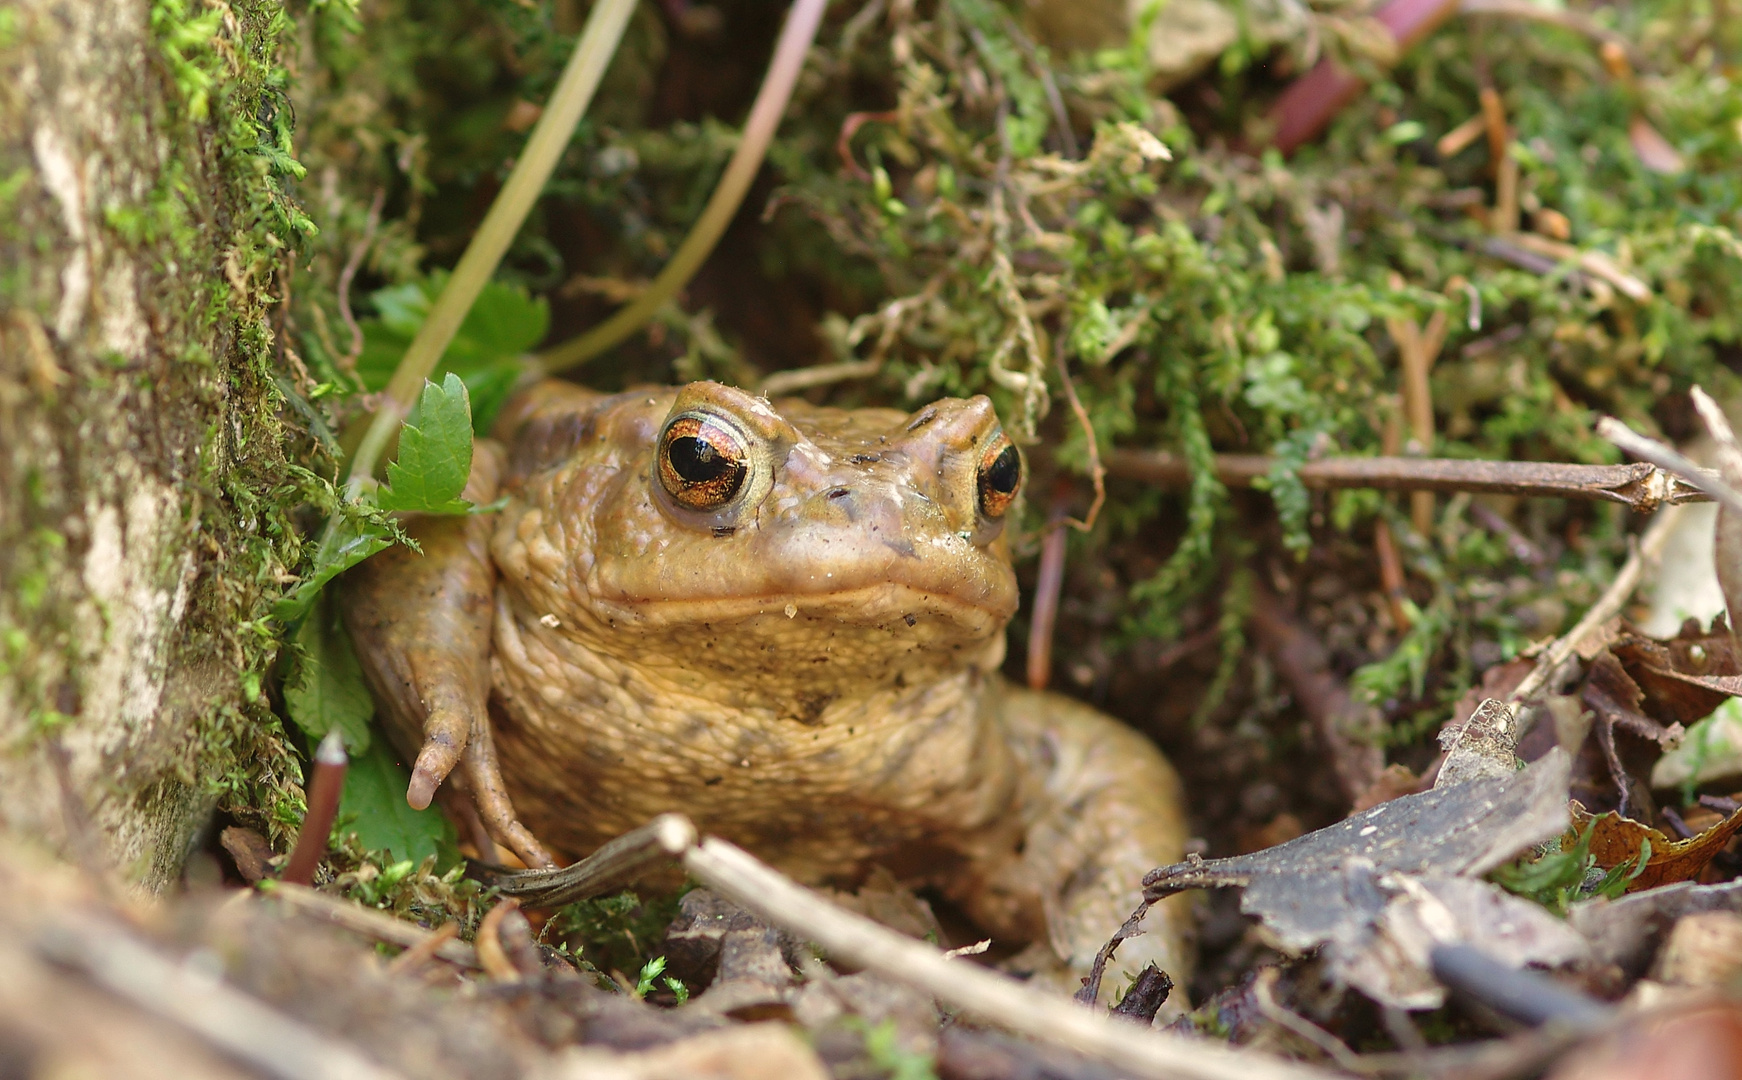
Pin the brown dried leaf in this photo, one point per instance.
(1616, 840)
(1685, 677)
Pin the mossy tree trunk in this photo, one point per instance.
(143, 470)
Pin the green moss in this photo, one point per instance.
(229, 83)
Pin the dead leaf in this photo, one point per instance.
(1301, 889)
(1481, 748)
(1626, 932)
(1616, 840)
(1332, 883)
(1685, 677)
(1388, 959)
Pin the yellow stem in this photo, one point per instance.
(574, 92)
(783, 71)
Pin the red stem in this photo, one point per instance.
(323, 807)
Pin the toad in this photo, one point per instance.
(785, 621)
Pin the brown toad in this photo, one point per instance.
(785, 622)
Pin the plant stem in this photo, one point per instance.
(574, 92)
(789, 54)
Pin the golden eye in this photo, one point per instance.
(703, 462)
(1000, 476)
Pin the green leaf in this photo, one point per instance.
(346, 543)
(374, 805)
(504, 323)
(326, 689)
(435, 453)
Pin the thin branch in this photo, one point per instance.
(219, 1014)
(1640, 486)
(782, 383)
(420, 954)
(550, 137)
(366, 921)
(984, 994)
(1097, 470)
(1668, 459)
(783, 71)
(1520, 994)
(1289, 1020)
(488, 942)
(1348, 730)
(348, 362)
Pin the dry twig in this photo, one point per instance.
(348, 362)
(984, 994)
(782, 383)
(368, 922)
(488, 942)
(1348, 730)
(1097, 470)
(1293, 1022)
(424, 951)
(1640, 486)
(1668, 459)
(222, 1016)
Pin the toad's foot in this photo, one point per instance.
(1105, 809)
(421, 625)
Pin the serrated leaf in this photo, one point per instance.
(374, 808)
(435, 453)
(346, 543)
(326, 688)
(504, 323)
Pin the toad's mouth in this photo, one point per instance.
(890, 607)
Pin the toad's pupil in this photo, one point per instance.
(1004, 473)
(698, 461)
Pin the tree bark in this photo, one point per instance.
(143, 476)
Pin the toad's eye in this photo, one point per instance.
(1000, 476)
(703, 462)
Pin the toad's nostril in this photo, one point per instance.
(839, 493)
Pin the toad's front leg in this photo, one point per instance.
(421, 625)
(1103, 808)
